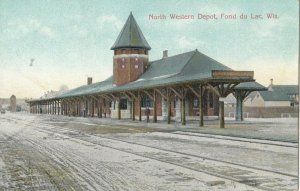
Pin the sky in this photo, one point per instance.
(66, 41)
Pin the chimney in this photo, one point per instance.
(165, 53)
(89, 81)
(270, 88)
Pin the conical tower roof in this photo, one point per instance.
(131, 36)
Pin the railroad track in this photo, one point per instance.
(227, 170)
(246, 140)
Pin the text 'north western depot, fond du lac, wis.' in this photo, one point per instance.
(214, 16)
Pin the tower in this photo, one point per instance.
(130, 53)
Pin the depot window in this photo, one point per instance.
(146, 102)
(210, 100)
(123, 104)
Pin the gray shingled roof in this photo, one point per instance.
(280, 93)
(184, 67)
(288, 89)
(131, 36)
(274, 96)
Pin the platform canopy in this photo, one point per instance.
(187, 68)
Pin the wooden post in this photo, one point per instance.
(54, 107)
(119, 109)
(140, 107)
(100, 108)
(154, 107)
(61, 107)
(93, 107)
(221, 114)
(104, 105)
(169, 107)
(183, 122)
(133, 109)
(65, 108)
(85, 102)
(79, 107)
(239, 106)
(201, 106)
(57, 108)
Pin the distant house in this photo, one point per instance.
(13, 103)
(276, 96)
(277, 102)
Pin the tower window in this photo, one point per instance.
(123, 66)
(136, 66)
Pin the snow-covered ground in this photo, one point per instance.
(40, 152)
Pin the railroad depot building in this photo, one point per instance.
(185, 86)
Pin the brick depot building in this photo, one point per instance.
(185, 86)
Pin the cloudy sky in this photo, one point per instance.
(68, 40)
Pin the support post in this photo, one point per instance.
(54, 105)
(239, 106)
(183, 119)
(169, 107)
(140, 107)
(154, 107)
(119, 109)
(201, 106)
(133, 109)
(105, 109)
(221, 114)
(100, 108)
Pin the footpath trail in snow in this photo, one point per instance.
(42, 153)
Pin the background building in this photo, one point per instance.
(277, 101)
(13, 103)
